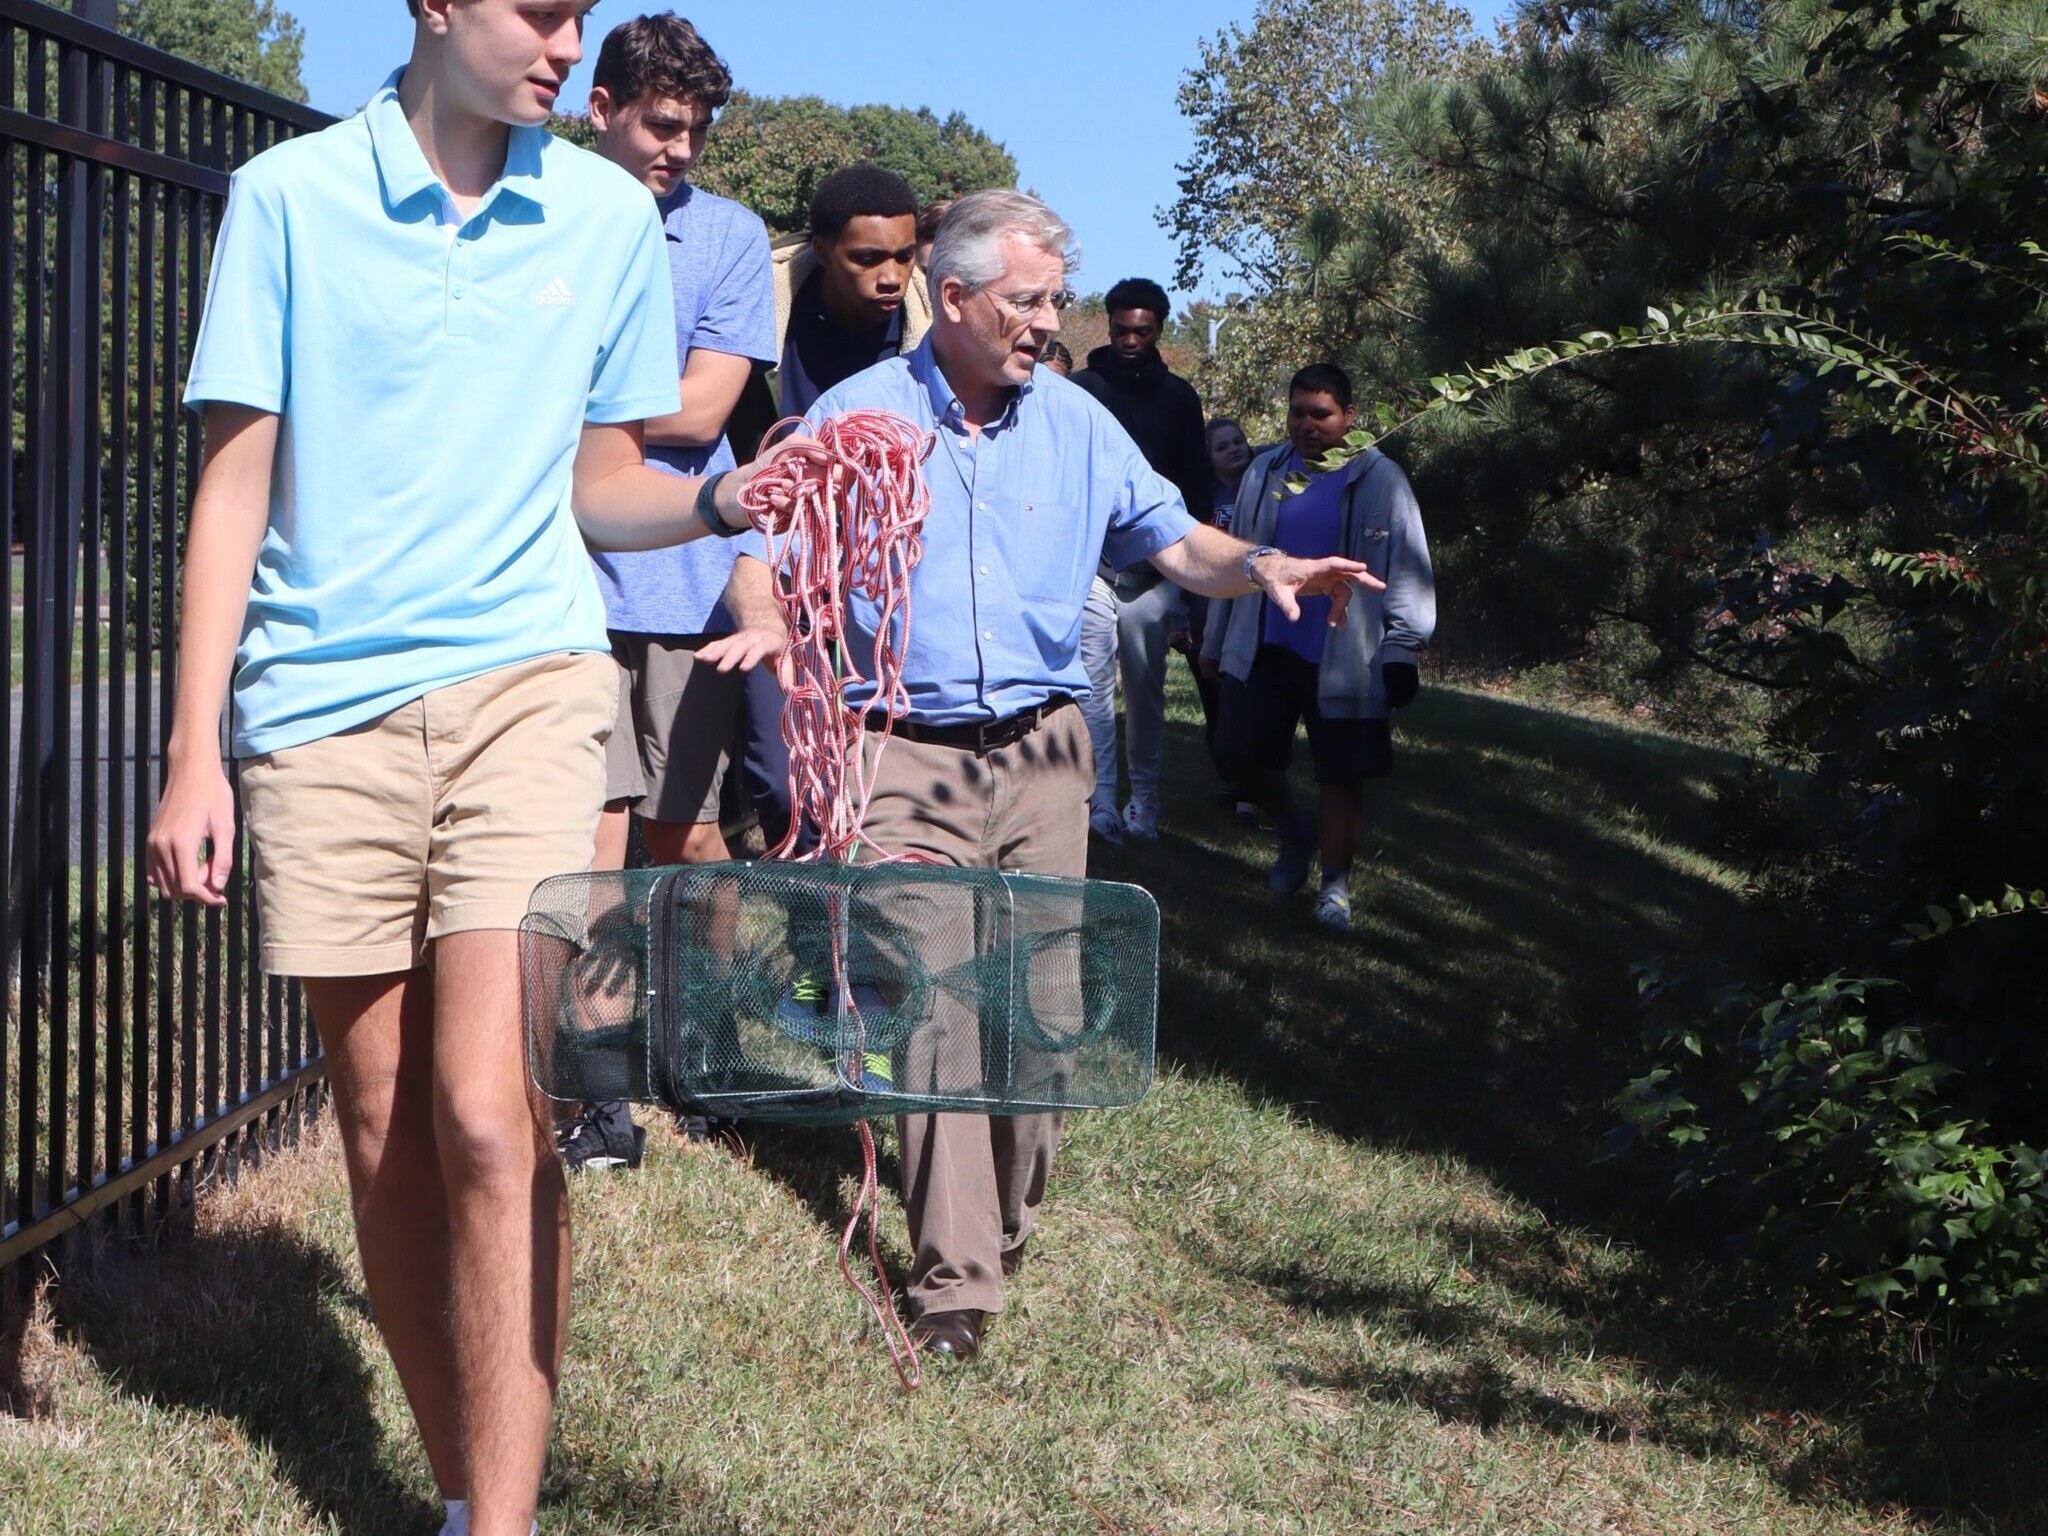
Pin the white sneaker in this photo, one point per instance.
(1141, 819)
(457, 1523)
(1103, 822)
(1333, 907)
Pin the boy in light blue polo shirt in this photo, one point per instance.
(432, 334)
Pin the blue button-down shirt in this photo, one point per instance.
(1020, 515)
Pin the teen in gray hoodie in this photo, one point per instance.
(1342, 681)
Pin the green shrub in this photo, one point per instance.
(1823, 1122)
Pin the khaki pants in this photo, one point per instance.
(972, 1184)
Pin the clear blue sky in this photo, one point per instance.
(1081, 92)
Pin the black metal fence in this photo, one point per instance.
(143, 1053)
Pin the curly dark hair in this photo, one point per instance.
(857, 192)
(662, 57)
(1139, 293)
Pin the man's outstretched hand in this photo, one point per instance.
(1286, 580)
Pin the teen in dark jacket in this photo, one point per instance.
(1163, 415)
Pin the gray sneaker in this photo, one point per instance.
(1290, 865)
(1141, 819)
(1333, 908)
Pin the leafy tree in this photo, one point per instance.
(1878, 404)
(770, 152)
(1277, 150)
(251, 40)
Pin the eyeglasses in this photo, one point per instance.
(1025, 306)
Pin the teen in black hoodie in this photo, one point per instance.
(1163, 414)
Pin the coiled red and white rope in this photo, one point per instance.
(848, 519)
(854, 528)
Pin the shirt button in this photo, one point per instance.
(981, 506)
(984, 570)
(988, 634)
(458, 290)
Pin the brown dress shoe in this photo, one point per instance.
(955, 1335)
(1014, 1259)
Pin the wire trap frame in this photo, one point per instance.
(824, 992)
(851, 981)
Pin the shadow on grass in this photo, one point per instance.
(1513, 869)
(814, 1162)
(243, 1326)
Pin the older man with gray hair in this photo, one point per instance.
(1031, 482)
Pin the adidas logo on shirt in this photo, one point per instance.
(557, 294)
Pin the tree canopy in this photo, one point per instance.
(1716, 340)
(770, 152)
(250, 40)
(1278, 150)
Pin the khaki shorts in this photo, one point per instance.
(668, 753)
(439, 817)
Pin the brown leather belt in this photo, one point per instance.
(978, 739)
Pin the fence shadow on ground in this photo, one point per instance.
(248, 1326)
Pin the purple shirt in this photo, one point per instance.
(1310, 526)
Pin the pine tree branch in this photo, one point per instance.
(1922, 403)
(1694, 654)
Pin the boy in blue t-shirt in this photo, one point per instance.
(432, 335)
(691, 625)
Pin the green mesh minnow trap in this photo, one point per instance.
(819, 992)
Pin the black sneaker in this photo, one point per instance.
(707, 1130)
(600, 1138)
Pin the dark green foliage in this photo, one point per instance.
(1820, 481)
(251, 40)
(770, 152)
(1823, 1123)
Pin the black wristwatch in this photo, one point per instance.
(1258, 554)
(707, 508)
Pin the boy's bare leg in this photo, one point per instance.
(378, 1035)
(1340, 818)
(668, 842)
(508, 1224)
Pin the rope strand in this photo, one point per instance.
(857, 528)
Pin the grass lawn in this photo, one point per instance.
(1350, 1269)
(16, 667)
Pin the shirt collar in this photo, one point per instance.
(945, 405)
(403, 165)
